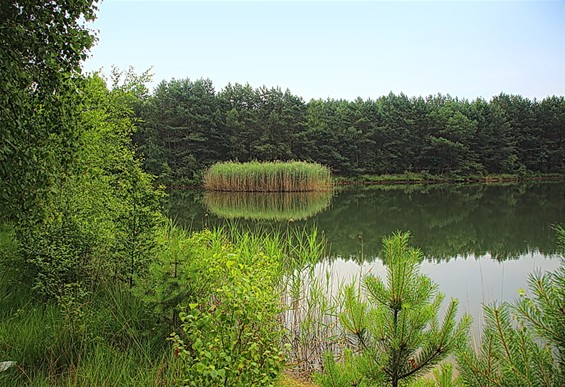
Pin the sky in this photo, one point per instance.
(341, 49)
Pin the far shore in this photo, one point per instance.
(412, 178)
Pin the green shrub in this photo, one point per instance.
(230, 329)
(98, 221)
(180, 273)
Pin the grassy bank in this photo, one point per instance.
(294, 176)
(244, 294)
(105, 338)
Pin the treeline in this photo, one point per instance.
(187, 126)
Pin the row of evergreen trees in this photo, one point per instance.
(187, 126)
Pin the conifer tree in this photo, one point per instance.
(394, 323)
(523, 344)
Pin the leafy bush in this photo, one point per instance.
(99, 221)
(231, 331)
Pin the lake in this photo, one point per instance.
(480, 241)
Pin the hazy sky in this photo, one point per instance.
(348, 49)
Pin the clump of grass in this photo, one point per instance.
(255, 176)
(267, 206)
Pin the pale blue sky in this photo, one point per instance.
(321, 49)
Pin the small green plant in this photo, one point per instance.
(443, 376)
(340, 374)
(179, 272)
(394, 325)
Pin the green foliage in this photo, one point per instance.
(180, 133)
(42, 43)
(560, 230)
(259, 123)
(101, 338)
(268, 177)
(442, 377)
(394, 323)
(68, 176)
(180, 273)
(523, 344)
(340, 374)
(230, 330)
(99, 221)
(8, 245)
(390, 135)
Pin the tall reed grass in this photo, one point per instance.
(275, 176)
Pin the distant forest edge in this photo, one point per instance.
(185, 126)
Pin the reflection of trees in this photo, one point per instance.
(445, 221)
(185, 207)
(267, 206)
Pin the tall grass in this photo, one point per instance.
(105, 338)
(267, 205)
(110, 340)
(255, 176)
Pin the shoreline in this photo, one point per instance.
(417, 179)
(426, 179)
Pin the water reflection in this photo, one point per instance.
(283, 206)
(446, 221)
(480, 242)
(504, 222)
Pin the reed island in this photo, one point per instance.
(275, 176)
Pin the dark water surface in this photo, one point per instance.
(480, 241)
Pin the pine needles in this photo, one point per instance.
(523, 343)
(393, 323)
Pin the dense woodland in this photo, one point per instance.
(186, 126)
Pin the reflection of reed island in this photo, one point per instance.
(287, 206)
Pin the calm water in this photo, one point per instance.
(480, 241)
